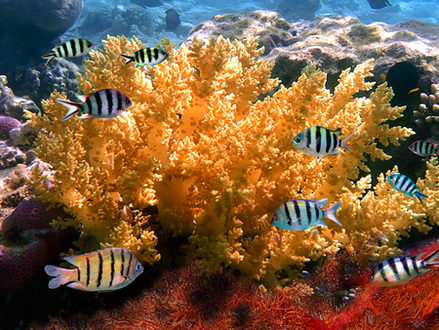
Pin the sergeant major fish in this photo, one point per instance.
(300, 214)
(400, 270)
(405, 185)
(105, 103)
(103, 270)
(146, 56)
(71, 48)
(320, 141)
(424, 148)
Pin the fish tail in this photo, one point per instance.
(343, 143)
(72, 106)
(127, 58)
(49, 58)
(61, 275)
(330, 213)
(430, 259)
(419, 195)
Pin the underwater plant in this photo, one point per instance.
(207, 141)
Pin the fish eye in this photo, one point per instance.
(275, 219)
(297, 139)
(138, 267)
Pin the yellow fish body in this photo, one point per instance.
(103, 270)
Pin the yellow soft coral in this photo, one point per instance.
(217, 161)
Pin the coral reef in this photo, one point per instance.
(6, 124)
(28, 243)
(10, 156)
(184, 299)
(11, 105)
(333, 43)
(217, 162)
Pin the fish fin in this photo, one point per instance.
(344, 142)
(72, 106)
(431, 257)
(119, 279)
(330, 213)
(322, 202)
(413, 90)
(128, 59)
(85, 116)
(82, 98)
(337, 131)
(419, 256)
(73, 260)
(61, 275)
(78, 286)
(49, 58)
(419, 195)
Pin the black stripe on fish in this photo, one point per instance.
(410, 187)
(382, 271)
(404, 180)
(156, 54)
(65, 49)
(308, 137)
(122, 263)
(317, 210)
(129, 264)
(98, 103)
(328, 141)
(89, 105)
(82, 45)
(142, 56)
(392, 264)
(109, 97)
(75, 46)
(287, 212)
(112, 268)
(88, 271)
(297, 211)
(334, 141)
(100, 270)
(414, 264)
(148, 52)
(405, 265)
(119, 100)
(318, 139)
(308, 211)
(79, 274)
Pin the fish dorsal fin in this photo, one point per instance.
(82, 98)
(321, 202)
(419, 256)
(74, 260)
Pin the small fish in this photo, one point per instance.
(400, 270)
(106, 103)
(405, 185)
(320, 141)
(424, 148)
(103, 270)
(71, 48)
(378, 4)
(146, 56)
(300, 214)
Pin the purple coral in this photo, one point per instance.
(29, 243)
(6, 124)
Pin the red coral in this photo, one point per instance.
(184, 299)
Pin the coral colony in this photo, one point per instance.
(200, 158)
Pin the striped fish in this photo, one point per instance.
(300, 214)
(103, 270)
(106, 103)
(405, 185)
(146, 56)
(424, 148)
(320, 141)
(400, 270)
(71, 48)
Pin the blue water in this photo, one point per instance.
(151, 23)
